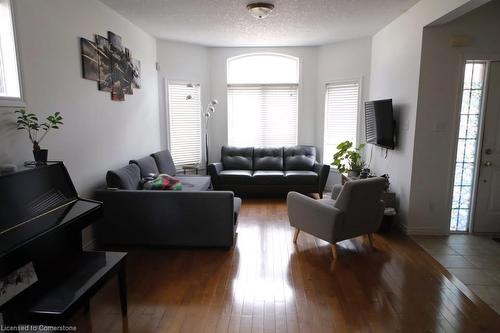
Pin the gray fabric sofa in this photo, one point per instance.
(195, 216)
(269, 170)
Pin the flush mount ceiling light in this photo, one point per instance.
(260, 10)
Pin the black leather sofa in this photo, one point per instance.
(195, 216)
(269, 170)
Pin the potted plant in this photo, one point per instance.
(29, 122)
(349, 159)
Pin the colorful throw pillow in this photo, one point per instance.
(163, 182)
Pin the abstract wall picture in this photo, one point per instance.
(16, 282)
(111, 65)
(136, 81)
(90, 61)
(115, 41)
(104, 49)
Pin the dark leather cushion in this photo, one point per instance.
(300, 158)
(235, 158)
(236, 177)
(301, 177)
(164, 162)
(147, 165)
(268, 158)
(126, 178)
(269, 177)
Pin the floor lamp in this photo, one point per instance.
(209, 111)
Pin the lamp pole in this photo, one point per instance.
(210, 110)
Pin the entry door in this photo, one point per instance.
(487, 211)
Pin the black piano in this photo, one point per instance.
(41, 222)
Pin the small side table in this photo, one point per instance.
(191, 168)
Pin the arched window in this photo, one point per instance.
(262, 99)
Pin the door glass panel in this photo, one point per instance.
(467, 146)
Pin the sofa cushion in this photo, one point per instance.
(236, 177)
(269, 177)
(194, 183)
(164, 162)
(147, 165)
(300, 157)
(126, 178)
(236, 209)
(235, 158)
(268, 158)
(301, 177)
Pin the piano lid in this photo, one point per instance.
(33, 192)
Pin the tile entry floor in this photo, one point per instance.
(474, 260)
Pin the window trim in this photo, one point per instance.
(298, 61)
(361, 118)
(167, 117)
(15, 101)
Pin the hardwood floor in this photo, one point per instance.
(268, 284)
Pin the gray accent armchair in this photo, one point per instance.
(355, 209)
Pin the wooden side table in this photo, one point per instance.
(191, 168)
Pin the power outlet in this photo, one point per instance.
(440, 126)
(406, 125)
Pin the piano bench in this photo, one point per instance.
(55, 305)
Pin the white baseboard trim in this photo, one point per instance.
(421, 231)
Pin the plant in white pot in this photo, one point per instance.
(37, 131)
(349, 159)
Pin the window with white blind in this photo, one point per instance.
(263, 100)
(184, 122)
(10, 87)
(341, 116)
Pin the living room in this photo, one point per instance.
(199, 66)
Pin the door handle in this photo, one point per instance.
(488, 164)
(488, 151)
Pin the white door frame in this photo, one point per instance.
(463, 61)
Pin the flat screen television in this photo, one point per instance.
(379, 123)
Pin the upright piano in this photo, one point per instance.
(41, 222)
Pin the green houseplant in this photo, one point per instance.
(37, 131)
(348, 158)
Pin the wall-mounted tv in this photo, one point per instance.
(379, 123)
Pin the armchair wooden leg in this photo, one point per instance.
(370, 239)
(334, 251)
(296, 235)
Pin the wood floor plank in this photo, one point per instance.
(266, 283)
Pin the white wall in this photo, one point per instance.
(438, 104)
(98, 134)
(307, 92)
(181, 62)
(341, 61)
(319, 65)
(395, 68)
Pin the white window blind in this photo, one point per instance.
(9, 74)
(184, 120)
(263, 115)
(341, 116)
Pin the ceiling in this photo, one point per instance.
(292, 23)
